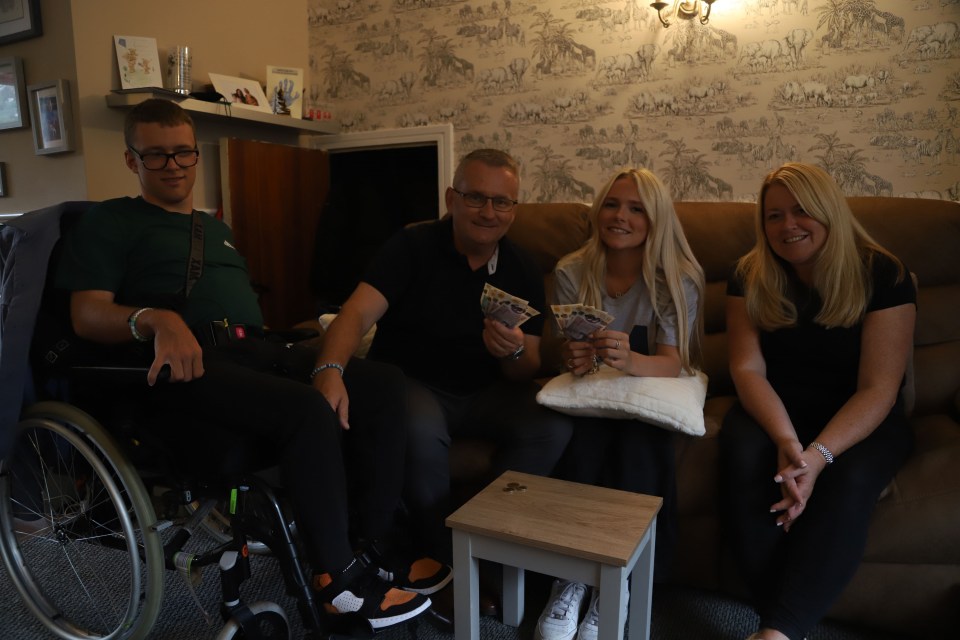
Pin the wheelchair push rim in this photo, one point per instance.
(91, 565)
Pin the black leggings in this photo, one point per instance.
(796, 577)
(261, 390)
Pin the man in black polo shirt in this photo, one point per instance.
(469, 376)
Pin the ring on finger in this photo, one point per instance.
(617, 347)
(570, 364)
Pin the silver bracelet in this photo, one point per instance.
(826, 453)
(132, 322)
(516, 354)
(327, 365)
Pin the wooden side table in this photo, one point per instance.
(573, 531)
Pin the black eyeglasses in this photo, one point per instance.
(479, 201)
(157, 161)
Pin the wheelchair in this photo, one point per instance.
(79, 532)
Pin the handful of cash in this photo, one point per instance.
(505, 308)
(577, 321)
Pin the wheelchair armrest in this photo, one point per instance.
(120, 371)
(291, 335)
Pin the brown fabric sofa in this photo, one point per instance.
(909, 580)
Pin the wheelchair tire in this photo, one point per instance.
(269, 618)
(77, 536)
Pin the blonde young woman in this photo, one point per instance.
(637, 266)
(820, 321)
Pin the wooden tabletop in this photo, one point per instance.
(579, 520)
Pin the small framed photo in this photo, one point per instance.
(50, 114)
(241, 92)
(13, 94)
(19, 20)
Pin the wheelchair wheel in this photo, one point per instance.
(76, 529)
(269, 619)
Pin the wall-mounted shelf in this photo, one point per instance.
(129, 99)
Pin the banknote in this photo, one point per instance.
(577, 321)
(504, 307)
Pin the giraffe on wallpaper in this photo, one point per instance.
(574, 89)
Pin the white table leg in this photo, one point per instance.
(466, 589)
(513, 587)
(613, 589)
(641, 588)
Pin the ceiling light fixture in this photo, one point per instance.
(685, 10)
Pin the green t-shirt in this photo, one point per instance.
(139, 252)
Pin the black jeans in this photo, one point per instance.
(260, 390)
(795, 577)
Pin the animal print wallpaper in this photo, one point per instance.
(575, 89)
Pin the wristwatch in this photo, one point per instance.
(516, 354)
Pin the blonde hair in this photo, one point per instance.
(841, 274)
(667, 260)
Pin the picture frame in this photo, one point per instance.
(19, 20)
(50, 114)
(241, 92)
(13, 94)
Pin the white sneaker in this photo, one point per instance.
(590, 627)
(559, 618)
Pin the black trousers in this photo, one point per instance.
(632, 456)
(528, 438)
(795, 577)
(260, 391)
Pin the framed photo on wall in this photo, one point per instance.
(50, 114)
(19, 20)
(13, 94)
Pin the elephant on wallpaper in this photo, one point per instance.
(797, 40)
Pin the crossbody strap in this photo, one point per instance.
(195, 262)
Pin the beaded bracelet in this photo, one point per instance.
(132, 323)
(327, 365)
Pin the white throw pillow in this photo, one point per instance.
(670, 403)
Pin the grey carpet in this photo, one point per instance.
(679, 613)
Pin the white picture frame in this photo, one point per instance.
(50, 113)
(241, 92)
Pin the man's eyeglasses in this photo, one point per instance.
(479, 201)
(156, 161)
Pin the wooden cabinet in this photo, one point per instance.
(273, 196)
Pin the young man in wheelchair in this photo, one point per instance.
(151, 269)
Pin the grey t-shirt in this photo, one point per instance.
(633, 312)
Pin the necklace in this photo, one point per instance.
(616, 295)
